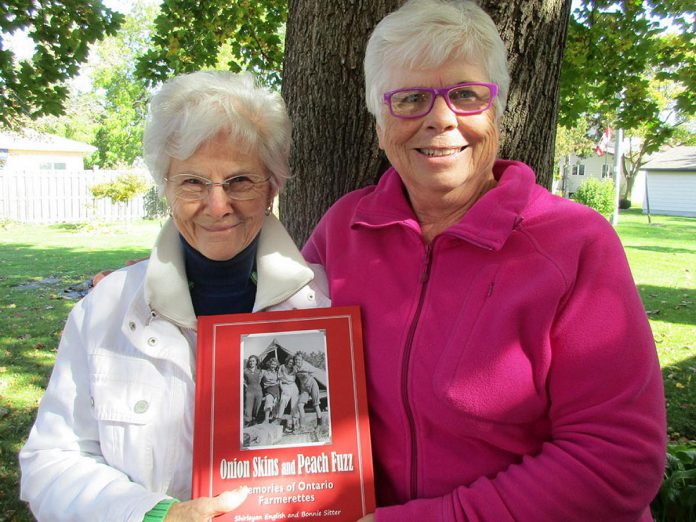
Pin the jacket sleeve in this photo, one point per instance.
(605, 456)
(313, 252)
(64, 475)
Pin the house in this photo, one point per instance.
(29, 150)
(43, 180)
(671, 182)
(575, 169)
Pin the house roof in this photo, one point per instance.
(32, 140)
(676, 158)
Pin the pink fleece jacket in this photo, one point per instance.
(511, 371)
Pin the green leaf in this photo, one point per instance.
(62, 31)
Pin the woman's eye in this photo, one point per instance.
(192, 182)
(412, 98)
(241, 183)
(239, 180)
(463, 95)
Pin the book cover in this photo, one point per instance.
(281, 407)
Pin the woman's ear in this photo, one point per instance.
(380, 135)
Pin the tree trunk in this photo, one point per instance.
(534, 32)
(335, 147)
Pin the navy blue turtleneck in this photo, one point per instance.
(221, 287)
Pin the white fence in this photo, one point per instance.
(54, 196)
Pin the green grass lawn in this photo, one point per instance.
(43, 267)
(42, 270)
(662, 256)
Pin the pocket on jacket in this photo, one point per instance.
(125, 399)
(486, 371)
(458, 378)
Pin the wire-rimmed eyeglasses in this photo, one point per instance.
(195, 188)
(463, 99)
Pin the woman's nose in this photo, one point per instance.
(219, 203)
(441, 117)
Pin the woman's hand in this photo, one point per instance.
(368, 518)
(205, 508)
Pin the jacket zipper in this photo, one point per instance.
(427, 260)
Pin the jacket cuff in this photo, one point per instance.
(157, 513)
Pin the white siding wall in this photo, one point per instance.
(33, 160)
(593, 166)
(671, 193)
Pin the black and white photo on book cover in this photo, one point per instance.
(284, 390)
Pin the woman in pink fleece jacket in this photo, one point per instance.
(527, 386)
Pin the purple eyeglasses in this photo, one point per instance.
(463, 99)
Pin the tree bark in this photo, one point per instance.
(335, 147)
(534, 32)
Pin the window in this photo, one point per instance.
(578, 169)
(52, 165)
(607, 171)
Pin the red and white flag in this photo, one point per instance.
(601, 147)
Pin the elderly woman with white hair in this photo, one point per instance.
(113, 436)
(511, 371)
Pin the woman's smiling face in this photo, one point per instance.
(217, 226)
(441, 151)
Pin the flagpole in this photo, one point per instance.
(647, 197)
(617, 175)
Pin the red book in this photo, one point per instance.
(281, 408)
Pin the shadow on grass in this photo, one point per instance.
(673, 305)
(69, 227)
(14, 429)
(27, 262)
(38, 288)
(662, 250)
(680, 394)
(34, 308)
(31, 371)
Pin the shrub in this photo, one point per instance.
(120, 190)
(624, 203)
(676, 500)
(596, 194)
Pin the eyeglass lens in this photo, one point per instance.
(238, 187)
(418, 102)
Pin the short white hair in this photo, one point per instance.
(192, 108)
(424, 34)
